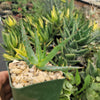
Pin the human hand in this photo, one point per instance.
(5, 90)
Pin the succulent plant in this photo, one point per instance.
(83, 84)
(11, 37)
(76, 49)
(93, 71)
(40, 58)
(48, 25)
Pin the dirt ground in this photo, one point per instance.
(91, 11)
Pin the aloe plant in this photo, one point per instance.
(40, 58)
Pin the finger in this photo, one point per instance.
(6, 89)
(3, 77)
(8, 97)
(2, 95)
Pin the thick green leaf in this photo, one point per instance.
(96, 86)
(91, 94)
(81, 51)
(26, 60)
(31, 56)
(38, 47)
(74, 44)
(98, 79)
(54, 51)
(98, 59)
(85, 85)
(59, 68)
(70, 56)
(91, 70)
(77, 78)
(71, 6)
(83, 40)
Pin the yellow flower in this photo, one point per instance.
(61, 15)
(41, 22)
(63, 1)
(30, 19)
(11, 21)
(67, 14)
(95, 26)
(76, 16)
(40, 37)
(21, 50)
(54, 14)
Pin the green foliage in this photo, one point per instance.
(88, 88)
(11, 37)
(77, 78)
(78, 45)
(58, 24)
(98, 60)
(57, 34)
(85, 85)
(36, 59)
(68, 87)
(30, 54)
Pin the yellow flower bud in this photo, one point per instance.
(11, 21)
(95, 26)
(67, 14)
(63, 1)
(54, 14)
(76, 16)
(41, 22)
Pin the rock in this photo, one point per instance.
(1, 12)
(12, 66)
(29, 5)
(15, 71)
(14, 84)
(15, 61)
(37, 79)
(47, 78)
(18, 85)
(22, 75)
(7, 12)
(5, 5)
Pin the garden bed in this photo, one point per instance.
(92, 2)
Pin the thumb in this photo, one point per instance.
(3, 77)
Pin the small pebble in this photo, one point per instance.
(22, 75)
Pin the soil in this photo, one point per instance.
(91, 11)
(22, 75)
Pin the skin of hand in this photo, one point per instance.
(5, 90)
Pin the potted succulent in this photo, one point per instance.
(39, 59)
(46, 90)
(26, 44)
